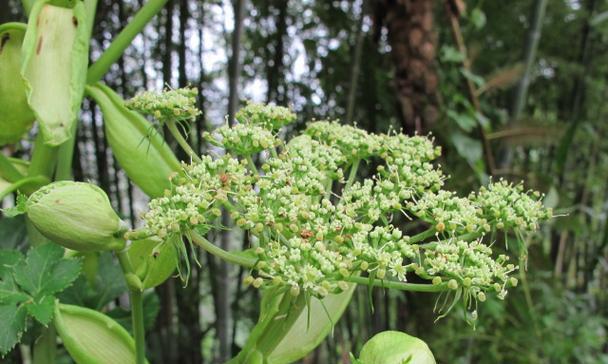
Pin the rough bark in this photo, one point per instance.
(413, 47)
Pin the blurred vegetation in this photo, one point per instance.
(352, 60)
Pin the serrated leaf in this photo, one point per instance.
(8, 260)
(18, 209)
(9, 292)
(63, 274)
(13, 232)
(42, 310)
(39, 264)
(13, 325)
(45, 271)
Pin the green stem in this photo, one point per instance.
(182, 142)
(43, 159)
(27, 6)
(35, 181)
(221, 253)
(137, 310)
(45, 348)
(137, 317)
(353, 173)
(8, 170)
(124, 39)
(464, 237)
(401, 286)
(65, 156)
(423, 235)
(252, 166)
(131, 277)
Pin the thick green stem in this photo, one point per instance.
(8, 170)
(43, 158)
(221, 253)
(124, 39)
(137, 317)
(45, 348)
(182, 142)
(65, 155)
(401, 286)
(137, 310)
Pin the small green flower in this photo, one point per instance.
(171, 105)
(270, 117)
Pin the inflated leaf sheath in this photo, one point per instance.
(301, 339)
(55, 61)
(92, 337)
(16, 117)
(139, 149)
(394, 347)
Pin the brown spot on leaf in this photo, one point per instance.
(74, 21)
(39, 46)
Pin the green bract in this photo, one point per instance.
(76, 215)
(139, 149)
(55, 60)
(16, 117)
(92, 337)
(153, 262)
(394, 347)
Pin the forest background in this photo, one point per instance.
(509, 89)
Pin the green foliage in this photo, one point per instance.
(28, 286)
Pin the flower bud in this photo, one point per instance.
(76, 215)
(16, 117)
(139, 149)
(394, 347)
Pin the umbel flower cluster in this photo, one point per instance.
(316, 227)
(174, 105)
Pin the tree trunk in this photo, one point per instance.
(413, 48)
(355, 67)
(275, 71)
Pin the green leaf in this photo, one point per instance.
(38, 266)
(63, 274)
(8, 260)
(465, 121)
(13, 325)
(109, 284)
(45, 272)
(478, 18)
(451, 54)
(42, 310)
(9, 292)
(18, 209)
(13, 232)
(477, 80)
